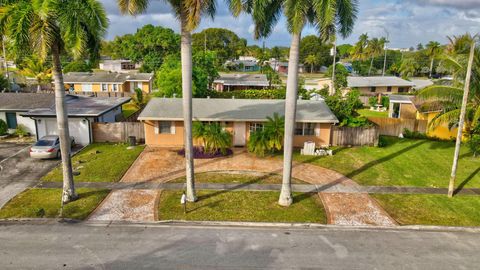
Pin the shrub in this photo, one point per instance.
(474, 144)
(372, 101)
(414, 134)
(200, 153)
(214, 137)
(21, 130)
(382, 141)
(360, 121)
(269, 139)
(3, 127)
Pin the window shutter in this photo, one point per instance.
(317, 130)
(172, 127)
(157, 127)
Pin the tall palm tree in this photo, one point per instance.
(375, 48)
(433, 51)
(189, 13)
(312, 61)
(359, 51)
(328, 16)
(51, 27)
(35, 67)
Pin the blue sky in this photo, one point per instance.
(408, 22)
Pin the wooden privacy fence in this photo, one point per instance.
(359, 136)
(393, 126)
(118, 132)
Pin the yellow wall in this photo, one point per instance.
(442, 131)
(383, 90)
(125, 87)
(176, 140)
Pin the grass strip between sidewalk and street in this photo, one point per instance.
(432, 209)
(46, 203)
(246, 206)
(236, 178)
(99, 162)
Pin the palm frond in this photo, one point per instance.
(133, 7)
(449, 118)
(441, 93)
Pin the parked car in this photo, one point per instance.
(48, 147)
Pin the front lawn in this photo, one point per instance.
(237, 178)
(242, 206)
(432, 209)
(99, 162)
(368, 113)
(45, 203)
(402, 162)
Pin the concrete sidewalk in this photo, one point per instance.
(264, 187)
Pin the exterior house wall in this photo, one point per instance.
(27, 122)
(442, 131)
(3, 116)
(176, 140)
(122, 87)
(79, 129)
(383, 90)
(110, 117)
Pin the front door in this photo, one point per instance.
(239, 130)
(11, 120)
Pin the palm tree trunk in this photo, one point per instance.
(431, 68)
(371, 65)
(186, 55)
(69, 193)
(461, 123)
(290, 111)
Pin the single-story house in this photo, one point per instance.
(13, 105)
(119, 65)
(282, 67)
(379, 84)
(408, 107)
(163, 119)
(233, 82)
(108, 82)
(37, 113)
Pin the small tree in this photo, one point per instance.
(269, 139)
(214, 137)
(3, 127)
(341, 74)
(139, 100)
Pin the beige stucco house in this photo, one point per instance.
(379, 85)
(108, 82)
(163, 119)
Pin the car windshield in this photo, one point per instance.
(45, 143)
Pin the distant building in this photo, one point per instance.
(382, 85)
(282, 67)
(108, 82)
(123, 66)
(243, 64)
(234, 82)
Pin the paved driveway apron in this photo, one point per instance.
(18, 171)
(160, 165)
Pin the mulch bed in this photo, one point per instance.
(199, 153)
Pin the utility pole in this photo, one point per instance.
(451, 185)
(5, 59)
(332, 89)
(385, 49)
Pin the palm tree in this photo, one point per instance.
(375, 48)
(433, 51)
(327, 16)
(359, 51)
(35, 67)
(51, 27)
(408, 68)
(311, 60)
(270, 138)
(214, 137)
(189, 13)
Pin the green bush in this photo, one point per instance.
(382, 141)
(474, 144)
(21, 130)
(250, 94)
(3, 127)
(414, 134)
(360, 121)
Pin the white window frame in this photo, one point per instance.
(315, 129)
(171, 127)
(256, 126)
(115, 87)
(87, 87)
(102, 87)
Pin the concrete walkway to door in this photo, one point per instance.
(160, 165)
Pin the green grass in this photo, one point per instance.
(234, 178)
(369, 113)
(432, 209)
(128, 109)
(100, 162)
(402, 163)
(45, 203)
(242, 206)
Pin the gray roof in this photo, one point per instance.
(80, 106)
(236, 110)
(421, 83)
(105, 77)
(243, 80)
(401, 99)
(377, 81)
(22, 102)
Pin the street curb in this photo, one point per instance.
(227, 224)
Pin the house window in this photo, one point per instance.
(115, 88)
(165, 127)
(401, 89)
(389, 89)
(104, 87)
(87, 87)
(256, 127)
(373, 89)
(305, 129)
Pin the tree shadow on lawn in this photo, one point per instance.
(466, 181)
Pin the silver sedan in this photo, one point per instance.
(48, 147)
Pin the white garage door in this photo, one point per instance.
(79, 129)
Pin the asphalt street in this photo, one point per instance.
(81, 246)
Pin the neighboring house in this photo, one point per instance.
(282, 67)
(13, 105)
(421, 83)
(243, 65)
(379, 84)
(108, 82)
(82, 112)
(122, 66)
(233, 82)
(163, 119)
(408, 107)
